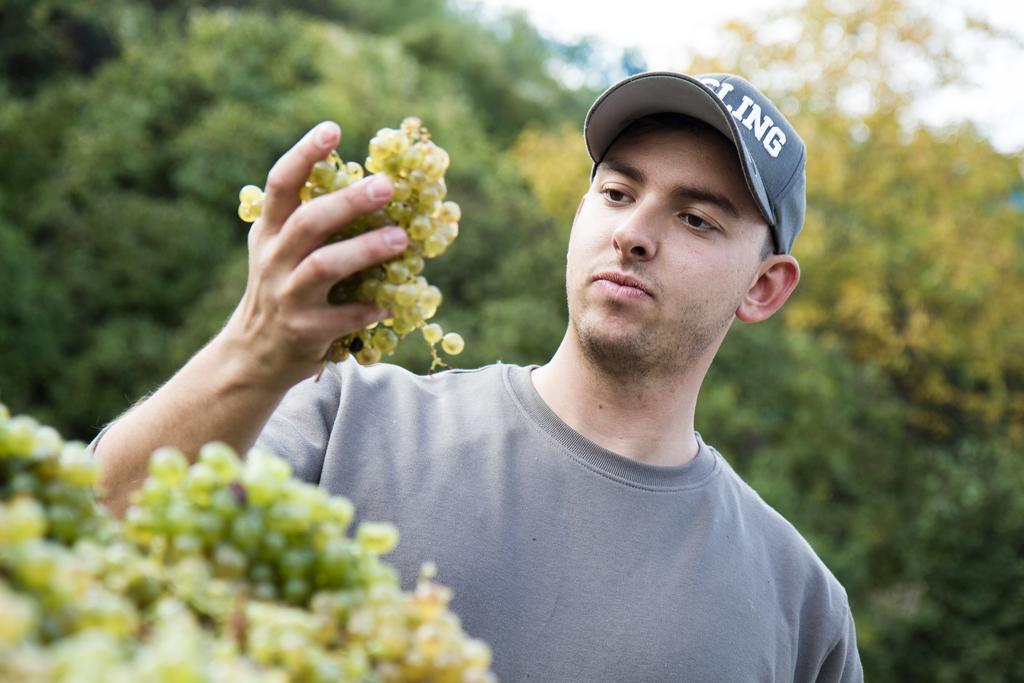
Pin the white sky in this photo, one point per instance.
(668, 33)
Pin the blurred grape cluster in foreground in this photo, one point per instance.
(225, 570)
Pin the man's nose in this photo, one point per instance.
(633, 240)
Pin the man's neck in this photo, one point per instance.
(647, 418)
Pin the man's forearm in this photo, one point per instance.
(211, 398)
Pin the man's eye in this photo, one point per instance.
(615, 195)
(695, 221)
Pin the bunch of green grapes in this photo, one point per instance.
(245, 542)
(228, 525)
(225, 570)
(384, 635)
(416, 166)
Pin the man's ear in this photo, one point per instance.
(777, 277)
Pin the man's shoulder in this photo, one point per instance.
(794, 565)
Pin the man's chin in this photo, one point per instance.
(619, 352)
(634, 349)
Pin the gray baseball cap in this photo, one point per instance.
(771, 153)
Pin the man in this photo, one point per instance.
(588, 531)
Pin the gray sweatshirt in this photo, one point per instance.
(573, 562)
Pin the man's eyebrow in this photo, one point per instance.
(622, 168)
(702, 194)
(692, 192)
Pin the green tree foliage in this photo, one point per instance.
(41, 40)
(30, 318)
(911, 245)
(122, 180)
(911, 235)
(959, 605)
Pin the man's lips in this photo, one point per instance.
(622, 285)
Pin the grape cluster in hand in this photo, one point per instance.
(416, 166)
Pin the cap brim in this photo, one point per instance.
(654, 92)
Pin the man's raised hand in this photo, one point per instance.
(284, 324)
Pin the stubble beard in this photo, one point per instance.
(641, 353)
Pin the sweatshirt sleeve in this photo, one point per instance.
(842, 663)
(300, 428)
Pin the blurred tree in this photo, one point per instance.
(960, 607)
(42, 40)
(504, 72)
(122, 179)
(910, 249)
(31, 317)
(911, 239)
(556, 166)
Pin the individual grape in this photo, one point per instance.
(77, 466)
(397, 272)
(420, 227)
(250, 194)
(18, 436)
(247, 530)
(434, 245)
(222, 460)
(450, 212)
(47, 442)
(385, 340)
(414, 263)
(403, 326)
(368, 355)
(354, 170)
(168, 466)
(416, 166)
(449, 231)
(433, 192)
(401, 192)
(340, 511)
(452, 343)
(431, 296)
(24, 519)
(432, 333)
(406, 294)
(377, 537)
(322, 173)
(418, 178)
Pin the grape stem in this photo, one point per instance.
(437, 362)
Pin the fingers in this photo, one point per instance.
(342, 320)
(290, 172)
(310, 225)
(313, 328)
(323, 267)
